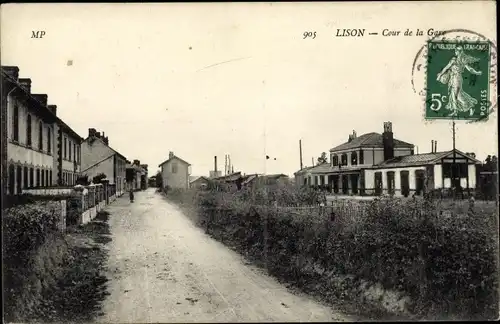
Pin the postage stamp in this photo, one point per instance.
(457, 80)
(455, 75)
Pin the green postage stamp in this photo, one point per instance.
(458, 80)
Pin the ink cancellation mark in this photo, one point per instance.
(457, 76)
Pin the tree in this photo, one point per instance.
(83, 180)
(159, 180)
(98, 178)
(322, 159)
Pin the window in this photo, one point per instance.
(65, 147)
(38, 177)
(15, 124)
(19, 179)
(174, 167)
(12, 175)
(74, 151)
(47, 180)
(28, 131)
(335, 160)
(343, 159)
(42, 176)
(25, 178)
(40, 136)
(49, 139)
(50, 176)
(361, 157)
(69, 151)
(354, 158)
(32, 177)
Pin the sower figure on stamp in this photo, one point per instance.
(458, 99)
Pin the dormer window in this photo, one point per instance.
(343, 159)
(354, 158)
(335, 160)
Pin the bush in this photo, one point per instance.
(32, 247)
(403, 244)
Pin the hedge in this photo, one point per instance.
(405, 245)
(32, 246)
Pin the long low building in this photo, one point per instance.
(40, 149)
(375, 164)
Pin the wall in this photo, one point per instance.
(71, 153)
(370, 178)
(175, 180)
(94, 153)
(105, 167)
(18, 152)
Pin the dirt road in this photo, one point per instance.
(164, 269)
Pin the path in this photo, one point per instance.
(164, 269)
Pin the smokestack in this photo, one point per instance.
(432, 146)
(225, 164)
(215, 164)
(388, 141)
(435, 146)
(300, 150)
(229, 163)
(312, 161)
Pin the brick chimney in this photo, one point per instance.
(53, 108)
(42, 98)
(137, 162)
(106, 140)
(388, 141)
(12, 71)
(170, 155)
(92, 132)
(350, 138)
(26, 84)
(354, 134)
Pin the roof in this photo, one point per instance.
(198, 178)
(114, 151)
(230, 177)
(172, 158)
(69, 130)
(420, 159)
(369, 140)
(46, 111)
(303, 170)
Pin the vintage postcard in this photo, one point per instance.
(250, 162)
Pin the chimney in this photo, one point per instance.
(12, 71)
(388, 141)
(215, 164)
(105, 139)
(435, 146)
(53, 108)
(350, 138)
(26, 84)
(92, 132)
(98, 134)
(353, 134)
(170, 154)
(42, 98)
(432, 146)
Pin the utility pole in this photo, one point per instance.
(453, 168)
(300, 150)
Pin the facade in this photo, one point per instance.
(136, 175)
(98, 157)
(68, 154)
(375, 164)
(199, 182)
(175, 172)
(32, 138)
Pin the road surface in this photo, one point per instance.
(164, 269)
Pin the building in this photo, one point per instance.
(175, 172)
(68, 153)
(374, 164)
(199, 182)
(33, 142)
(136, 175)
(98, 157)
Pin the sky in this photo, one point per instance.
(205, 80)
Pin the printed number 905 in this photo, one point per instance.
(310, 35)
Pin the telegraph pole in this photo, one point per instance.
(300, 150)
(453, 165)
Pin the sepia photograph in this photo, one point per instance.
(249, 162)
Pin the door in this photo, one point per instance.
(354, 183)
(378, 183)
(390, 182)
(336, 184)
(419, 181)
(405, 183)
(345, 184)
